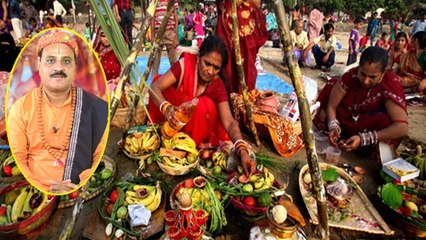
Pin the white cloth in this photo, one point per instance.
(58, 9)
(17, 28)
(139, 215)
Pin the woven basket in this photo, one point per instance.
(109, 163)
(119, 119)
(28, 225)
(182, 170)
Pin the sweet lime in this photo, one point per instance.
(264, 199)
(217, 170)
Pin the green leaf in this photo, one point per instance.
(391, 195)
(330, 175)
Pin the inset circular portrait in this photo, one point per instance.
(57, 111)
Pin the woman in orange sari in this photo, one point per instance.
(198, 76)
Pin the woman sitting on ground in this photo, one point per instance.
(366, 105)
(412, 69)
(198, 76)
(400, 46)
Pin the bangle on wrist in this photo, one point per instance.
(334, 124)
(164, 104)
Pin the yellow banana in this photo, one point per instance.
(186, 148)
(157, 198)
(168, 162)
(18, 205)
(151, 140)
(136, 200)
(145, 138)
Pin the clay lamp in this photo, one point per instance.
(200, 181)
(142, 192)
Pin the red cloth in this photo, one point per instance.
(253, 35)
(205, 125)
(369, 105)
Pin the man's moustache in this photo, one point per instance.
(58, 74)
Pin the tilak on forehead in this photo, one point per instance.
(57, 37)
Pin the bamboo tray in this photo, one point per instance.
(363, 217)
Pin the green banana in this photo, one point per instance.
(19, 204)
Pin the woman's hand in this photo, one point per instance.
(249, 164)
(334, 136)
(170, 116)
(351, 144)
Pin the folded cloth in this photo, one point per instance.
(139, 215)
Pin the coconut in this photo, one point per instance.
(279, 213)
(184, 199)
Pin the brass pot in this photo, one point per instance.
(284, 230)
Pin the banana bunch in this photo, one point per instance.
(420, 163)
(151, 201)
(220, 159)
(142, 143)
(28, 203)
(263, 180)
(180, 142)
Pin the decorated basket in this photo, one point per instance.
(33, 222)
(86, 192)
(141, 141)
(109, 164)
(359, 213)
(411, 224)
(6, 159)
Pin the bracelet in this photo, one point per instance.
(237, 142)
(369, 138)
(164, 103)
(334, 124)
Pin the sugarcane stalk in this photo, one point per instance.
(240, 70)
(305, 117)
(157, 40)
(131, 58)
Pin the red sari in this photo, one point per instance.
(253, 35)
(205, 125)
(368, 104)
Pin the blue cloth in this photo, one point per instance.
(319, 55)
(14, 10)
(420, 25)
(109, 2)
(372, 29)
(271, 22)
(267, 81)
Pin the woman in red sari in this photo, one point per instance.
(109, 61)
(399, 47)
(197, 76)
(365, 106)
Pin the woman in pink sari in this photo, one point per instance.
(197, 76)
(315, 23)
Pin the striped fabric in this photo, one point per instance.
(160, 12)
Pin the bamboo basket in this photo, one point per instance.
(182, 170)
(119, 119)
(30, 224)
(364, 216)
(109, 163)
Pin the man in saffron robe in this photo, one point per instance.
(57, 132)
